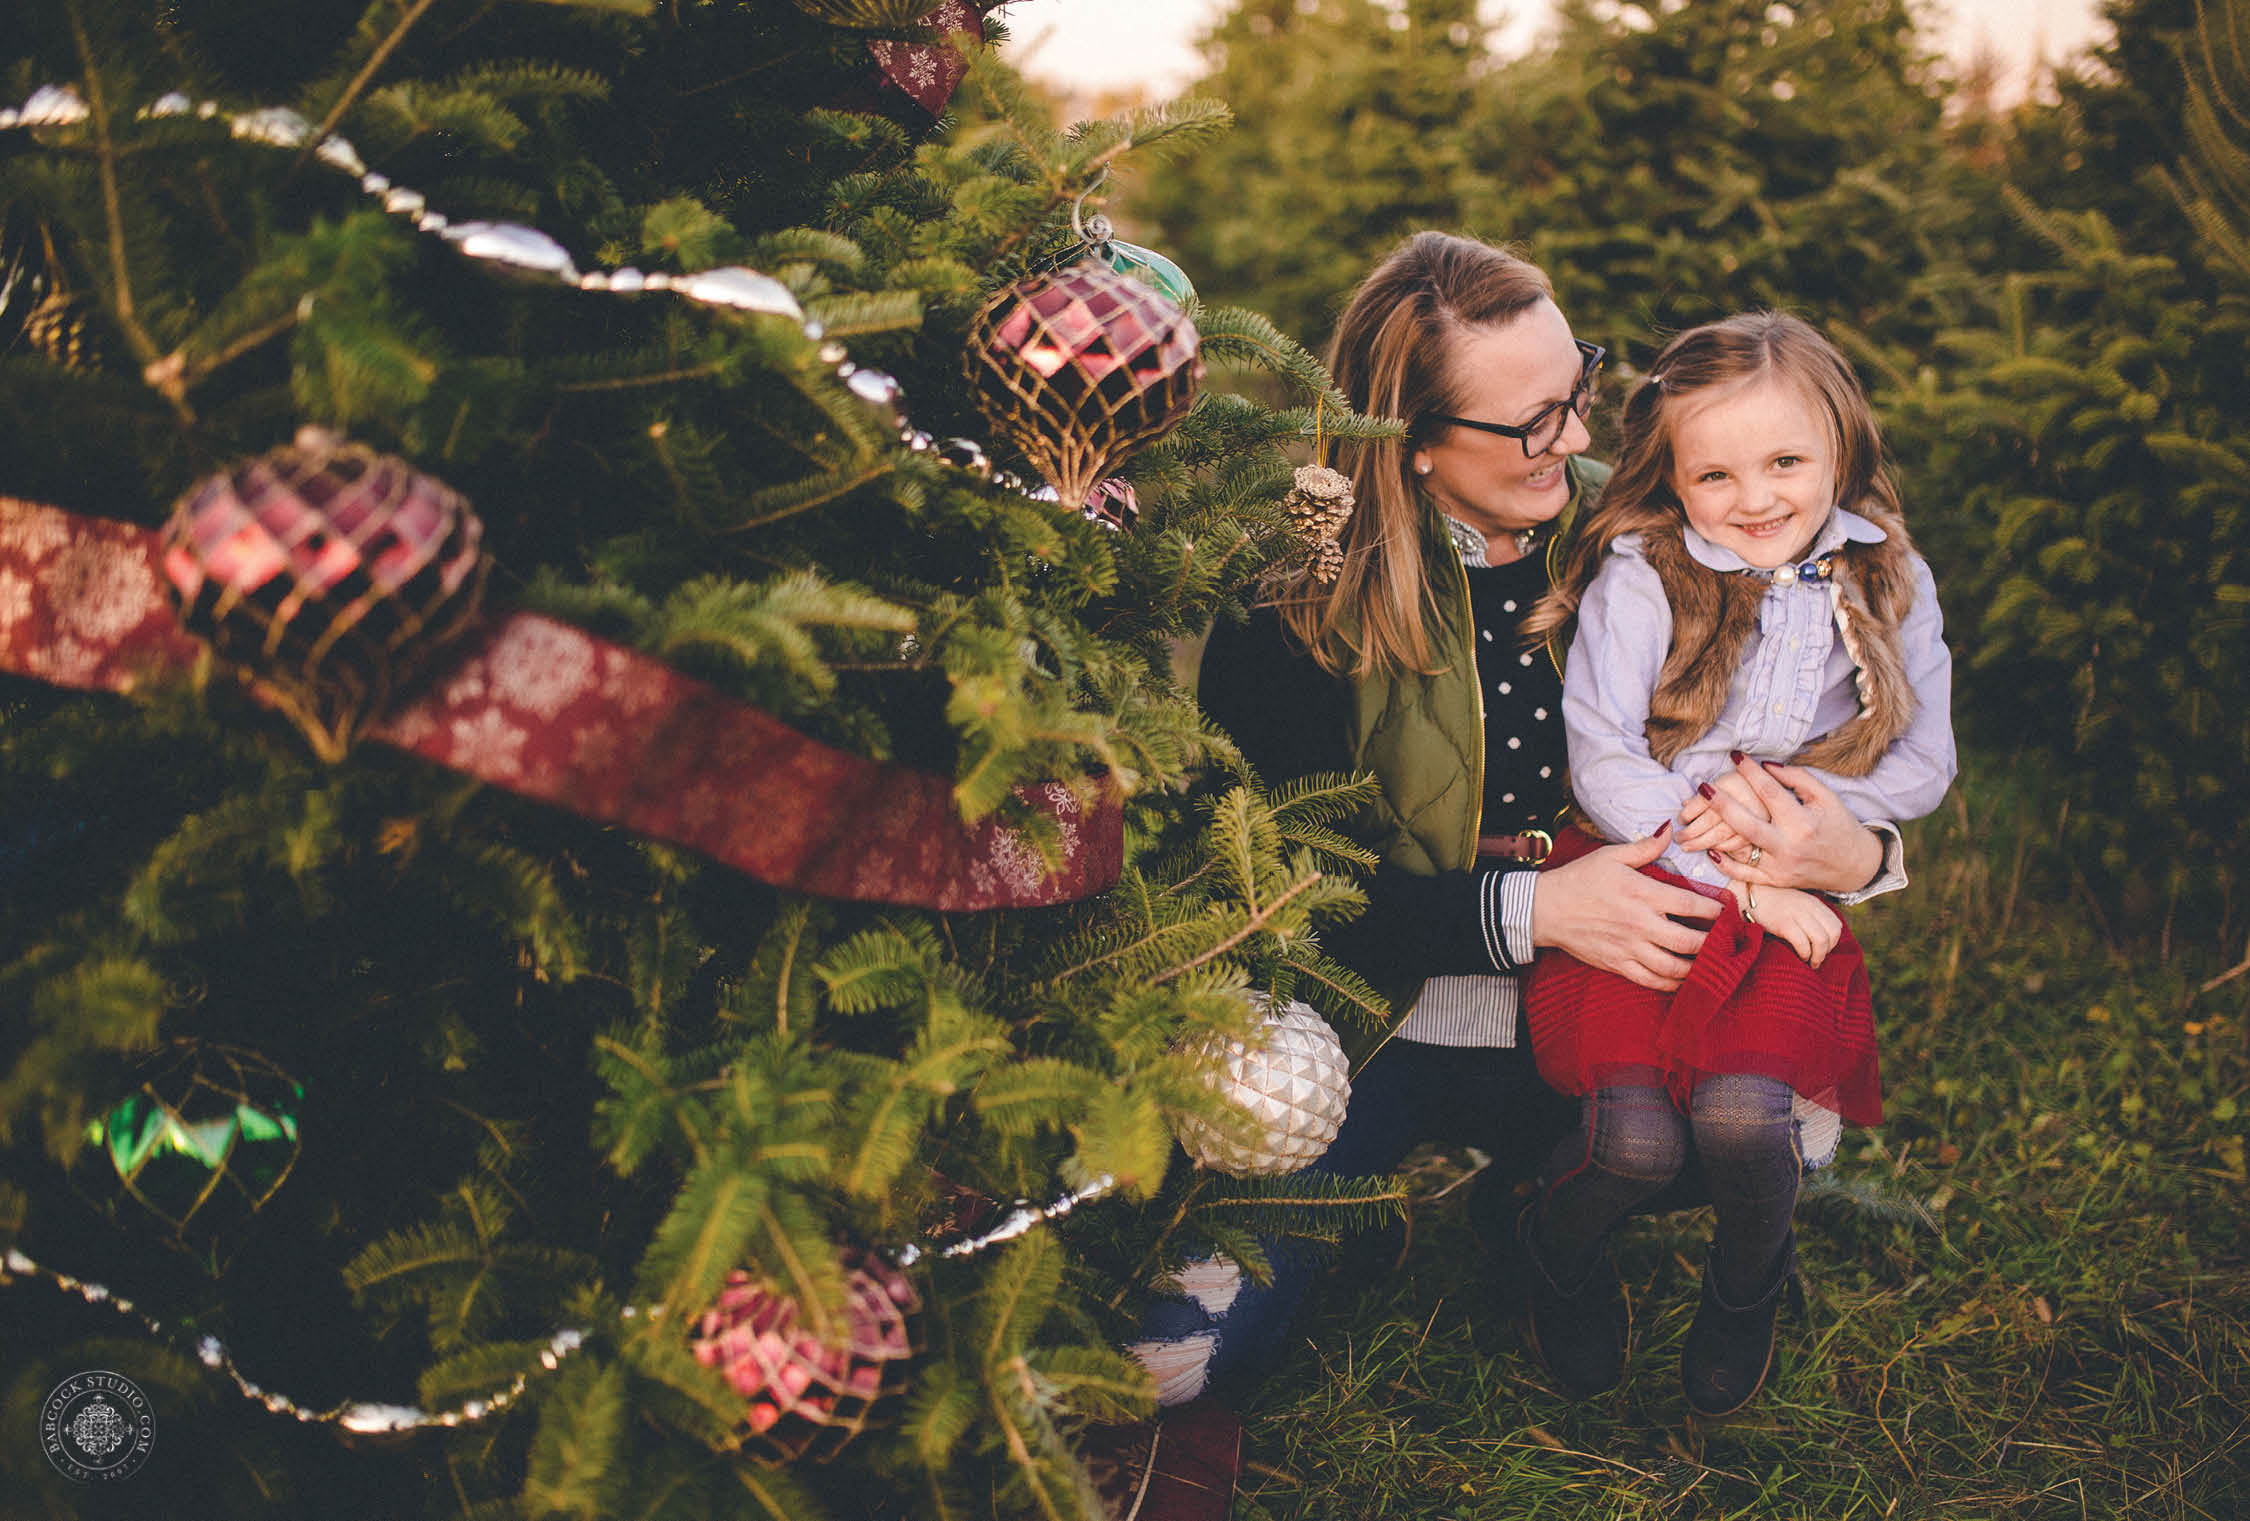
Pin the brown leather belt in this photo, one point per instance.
(1531, 846)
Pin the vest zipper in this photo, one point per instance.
(1476, 688)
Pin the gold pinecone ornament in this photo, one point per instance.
(64, 328)
(1319, 505)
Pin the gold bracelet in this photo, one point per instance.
(1749, 903)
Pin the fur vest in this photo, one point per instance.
(1714, 615)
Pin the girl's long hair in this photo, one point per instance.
(1392, 358)
(1639, 496)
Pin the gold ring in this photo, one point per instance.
(1757, 854)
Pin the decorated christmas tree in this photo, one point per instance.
(609, 903)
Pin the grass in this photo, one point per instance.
(2028, 1294)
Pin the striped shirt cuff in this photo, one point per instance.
(1515, 915)
(1504, 915)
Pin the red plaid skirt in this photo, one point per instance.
(1750, 1004)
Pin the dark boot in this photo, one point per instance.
(1577, 1332)
(1730, 1347)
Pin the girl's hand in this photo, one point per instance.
(1806, 838)
(1601, 910)
(1703, 827)
(1810, 926)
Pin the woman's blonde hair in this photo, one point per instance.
(1639, 496)
(1392, 357)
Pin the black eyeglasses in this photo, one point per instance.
(1538, 435)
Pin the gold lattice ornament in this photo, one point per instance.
(807, 1392)
(328, 573)
(1078, 366)
(208, 1134)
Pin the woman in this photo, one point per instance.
(1410, 666)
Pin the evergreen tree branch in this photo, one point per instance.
(574, 1466)
(804, 496)
(705, 371)
(776, 1492)
(1255, 923)
(1196, 1185)
(166, 383)
(415, 10)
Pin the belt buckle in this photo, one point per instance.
(1542, 845)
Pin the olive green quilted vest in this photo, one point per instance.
(1423, 735)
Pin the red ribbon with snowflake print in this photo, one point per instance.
(929, 72)
(550, 712)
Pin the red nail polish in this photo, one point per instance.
(1715, 860)
(1705, 789)
(1771, 765)
(1662, 830)
(1735, 756)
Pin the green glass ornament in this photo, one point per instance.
(211, 1131)
(1093, 237)
(1148, 265)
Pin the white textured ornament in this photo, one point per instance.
(1293, 1082)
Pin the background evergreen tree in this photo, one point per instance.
(2087, 416)
(1356, 127)
(1667, 164)
(1670, 165)
(555, 1076)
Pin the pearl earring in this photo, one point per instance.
(1422, 465)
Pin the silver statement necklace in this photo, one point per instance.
(1471, 544)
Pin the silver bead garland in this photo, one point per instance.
(375, 1418)
(359, 1417)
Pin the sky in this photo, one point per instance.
(1099, 45)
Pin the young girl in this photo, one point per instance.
(1745, 586)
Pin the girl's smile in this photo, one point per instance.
(1754, 469)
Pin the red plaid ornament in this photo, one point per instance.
(808, 1396)
(1078, 365)
(329, 573)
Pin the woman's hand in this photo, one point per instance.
(1704, 828)
(1601, 910)
(1806, 838)
(1810, 926)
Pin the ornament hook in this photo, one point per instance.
(1095, 230)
